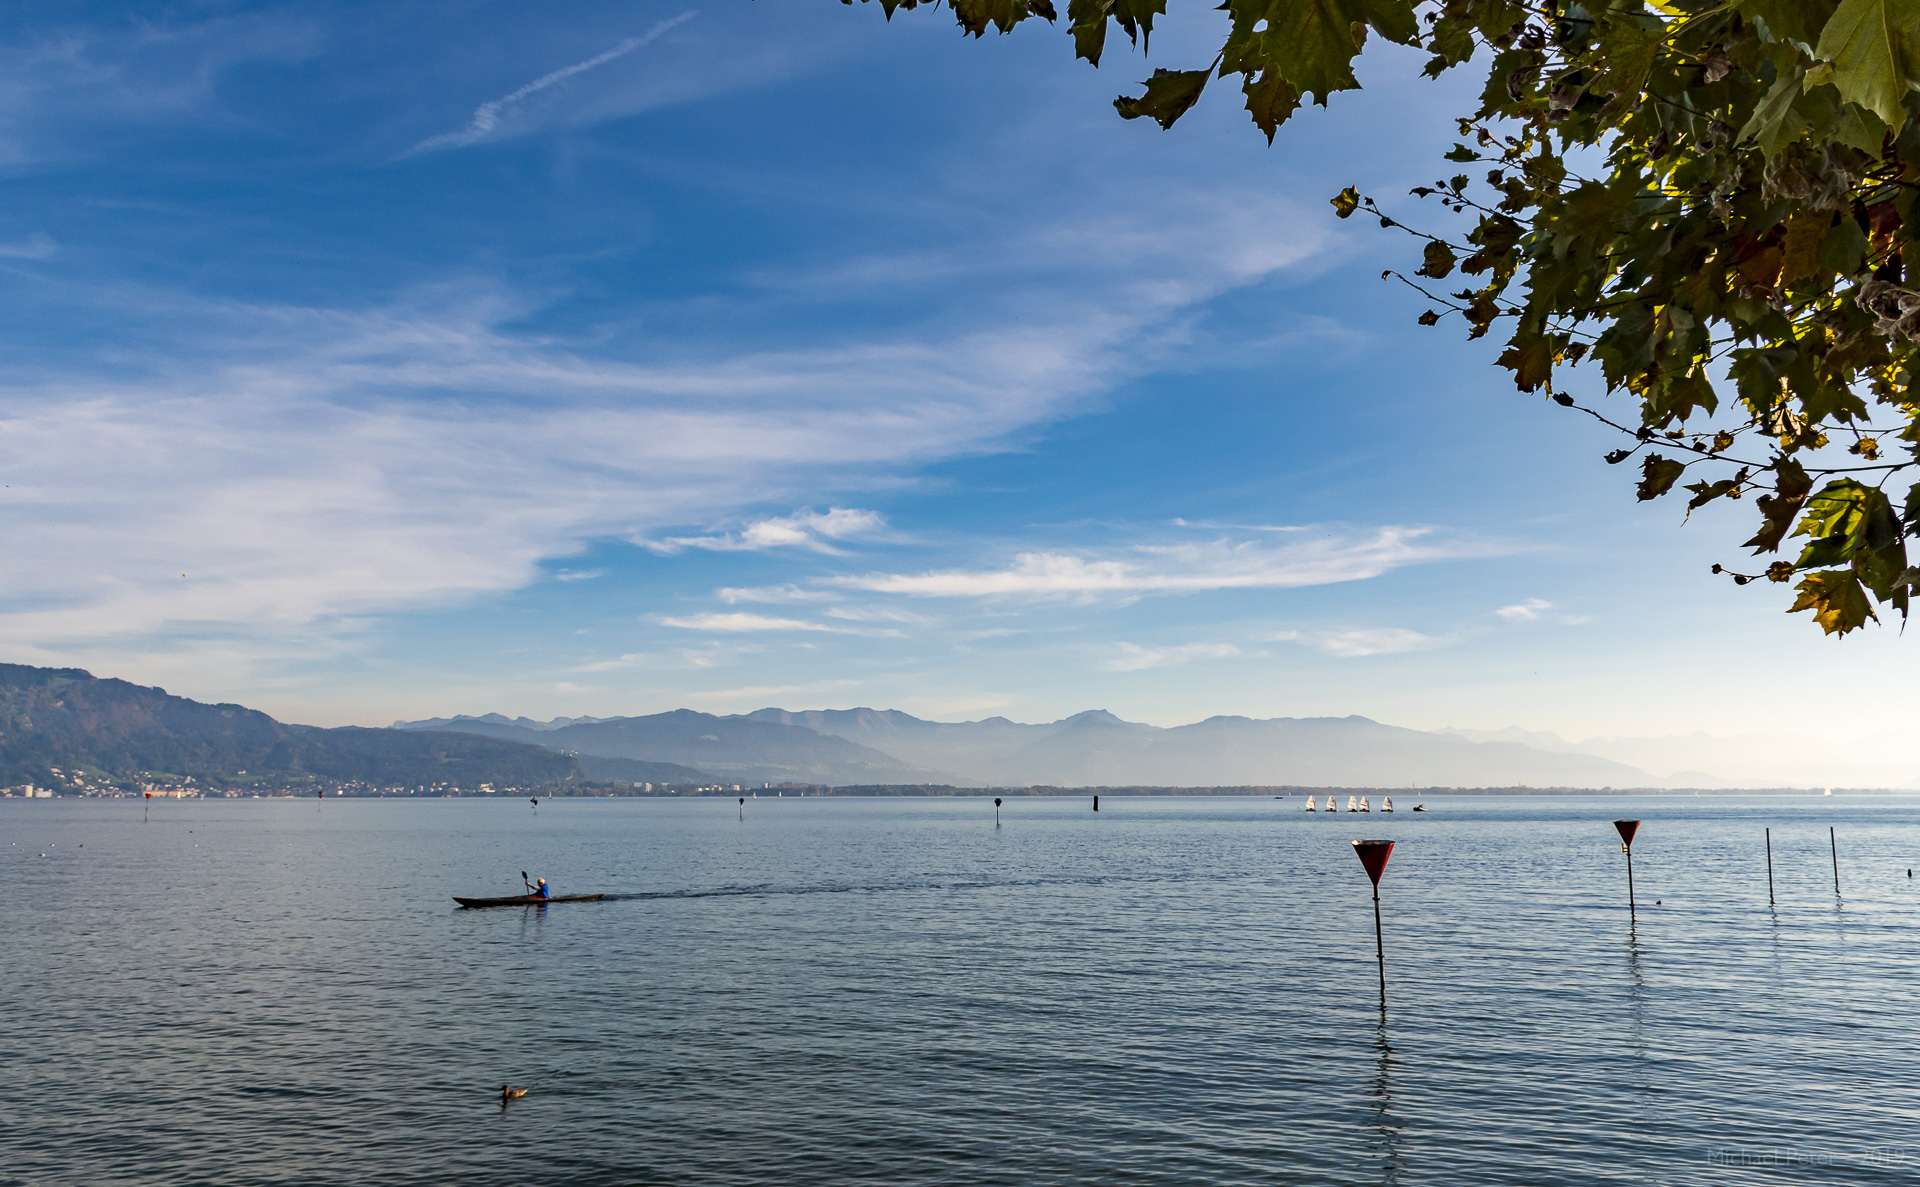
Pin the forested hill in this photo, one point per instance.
(62, 726)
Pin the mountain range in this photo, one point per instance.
(1091, 749)
(64, 728)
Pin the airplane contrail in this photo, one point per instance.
(487, 116)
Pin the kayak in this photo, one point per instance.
(526, 900)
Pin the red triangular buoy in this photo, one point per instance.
(1373, 855)
(1627, 829)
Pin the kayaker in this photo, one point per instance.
(539, 891)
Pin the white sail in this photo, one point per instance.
(1352, 804)
(1386, 803)
(1309, 803)
(1330, 805)
(1363, 804)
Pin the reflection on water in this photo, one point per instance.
(898, 991)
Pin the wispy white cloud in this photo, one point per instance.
(768, 690)
(486, 117)
(737, 621)
(875, 614)
(283, 473)
(1353, 644)
(1537, 610)
(1185, 568)
(1133, 658)
(37, 246)
(805, 529)
(775, 594)
(578, 574)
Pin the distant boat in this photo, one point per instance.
(1363, 804)
(1330, 805)
(1828, 791)
(1351, 804)
(1309, 803)
(1386, 803)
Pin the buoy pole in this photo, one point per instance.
(148, 808)
(1834, 843)
(1627, 829)
(1770, 867)
(1379, 941)
(1096, 803)
(996, 811)
(1373, 857)
(743, 807)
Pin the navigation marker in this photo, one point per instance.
(996, 811)
(1836, 860)
(1627, 829)
(743, 807)
(1373, 856)
(1096, 803)
(1770, 867)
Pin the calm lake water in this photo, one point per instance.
(1172, 991)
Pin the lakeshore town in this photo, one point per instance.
(83, 784)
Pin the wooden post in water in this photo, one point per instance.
(1835, 845)
(1770, 867)
(1626, 829)
(1373, 857)
(1096, 803)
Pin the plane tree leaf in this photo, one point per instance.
(1698, 220)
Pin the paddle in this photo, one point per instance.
(525, 882)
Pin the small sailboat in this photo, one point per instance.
(1386, 803)
(1352, 804)
(1309, 803)
(1330, 805)
(1363, 804)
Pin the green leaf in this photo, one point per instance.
(1873, 45)
(1438, 262)
(1346, 202)
(1657, 476)
(1169, 94)
(1270, 100)
(1790, 20)
(976, 15)
(1311, 43)
(1087, 22)
(1531, 361)
(1774, 124)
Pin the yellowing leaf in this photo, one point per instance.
(1800, 257)
(1838, 603)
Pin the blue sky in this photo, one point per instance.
(366, 361)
